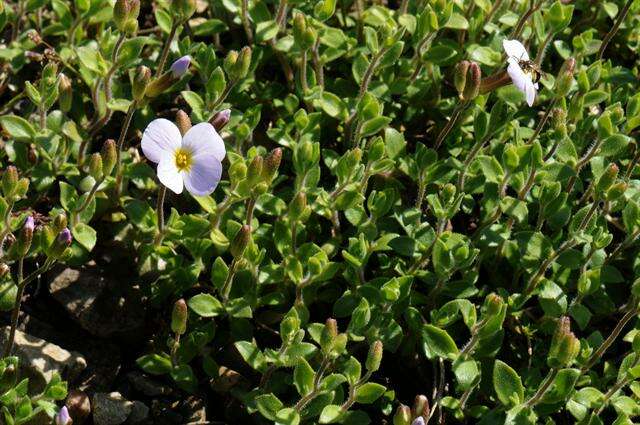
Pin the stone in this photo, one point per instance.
(110, 409)
(79, 406)
(148, 386)
(194, 410)
(139, 413)
(39, 359)
(101, 304)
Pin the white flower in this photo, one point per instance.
(193, 160)
(522, 79)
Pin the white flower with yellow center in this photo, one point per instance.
(521, 69)
(193, 161)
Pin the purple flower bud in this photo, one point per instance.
(29, 224)
(64, 237)
(180, 66)
(63, 418)
(418, 421)
(221, 119)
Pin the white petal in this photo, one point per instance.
(518, 76)
(204, 175)
(160, 136)
(530, 93)
(515, 49)
(168, 174)
(203, 138)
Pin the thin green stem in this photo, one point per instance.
(619, 19)
(543, 388)
(120, 146)
(162, 191)
(165, 50)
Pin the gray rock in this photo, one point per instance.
(99, 303)
(139, 413)
(148, 386)
(39, 359)
(110, 409)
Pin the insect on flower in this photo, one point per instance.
(524, 73)
(192, 161)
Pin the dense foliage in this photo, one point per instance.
(394, 225)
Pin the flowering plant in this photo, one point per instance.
(408, 212)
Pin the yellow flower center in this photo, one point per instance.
(184, 159)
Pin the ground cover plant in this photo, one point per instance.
(285, 211)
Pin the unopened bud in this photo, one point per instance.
(418, 421)
(242, 65)
(62, 417)
(60, 244)
(460, 76)
(607, 179)
(421, 406)
(125, 11)
(564, 345)
(565, 78)
(494, 304)
(616, 191)
(328, 335)
(297, 206)
(271, 164)
(65, 93)
(472, 84)
(23, 243)
(109, 156)
(140, 82)
(4, 270)
(374, 358)
(9, 181)
(221, 119)
(79, 405)
(559, 121)
(237, 171)
(179, 317)
(95, 166)
(230, 61)
(402, 416)
(240, 241)
(254, 171)
(183, 121)
(60, 222)
(180, 66)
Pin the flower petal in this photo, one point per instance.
(204, 175)
(515, 49)
(518, 76)
(161, 136)
(168, 173)
(530, 92)
(204, 139)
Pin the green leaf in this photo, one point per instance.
(303, 376)
(252, 355)
(330, 414)
(85, 235)
(507, 384)
(205, 305)
(288, 416)
(438, 342)
(268, 405)
(369, 392)
(155, 364)
(18, 128)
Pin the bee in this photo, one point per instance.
(531, 68)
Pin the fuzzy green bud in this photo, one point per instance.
(140, 81)
(242, 65)
(289, 327)
(402, 416)
(297, 206)
(271, 164)
(95, 166)
(472, 84)
(254, 171)
(260, 189)
(328, 335)
(564, 80)
(564, 345)
(21, 246)
(616, 191)
(559, 121)
(109, 156)
(59, 222)
(9, 181)
(374, 358)
(494, 304)
(460, 76)
(240, 242)
(230, 62)
(124, 13)
(607, 179)
(179, 317)
(65, 97)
